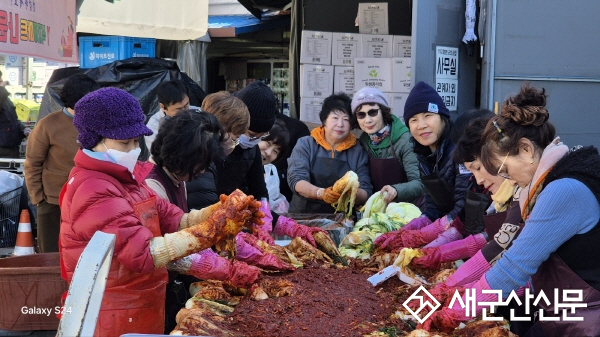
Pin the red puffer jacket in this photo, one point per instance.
(101, 195)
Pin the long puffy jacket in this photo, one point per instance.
(440, 161)
(100, 195)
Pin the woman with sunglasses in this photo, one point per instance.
(559, 202)
(322, 158)
(234, 117)
(446, 183)
(392, 161)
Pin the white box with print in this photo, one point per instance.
(397, 101)
(316, 80)
(374, 73)
(401, 46)
(346, 47)
(310, 107)
(315, 47)
(377, 46)
(401, 67)
(343, 80)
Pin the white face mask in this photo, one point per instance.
(246, 143)
(125, 159)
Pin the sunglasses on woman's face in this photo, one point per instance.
(372, 113)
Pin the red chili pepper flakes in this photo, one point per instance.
(324, 302)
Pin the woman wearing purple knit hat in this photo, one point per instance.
(105, 191)
(445, 182)
(392, 161)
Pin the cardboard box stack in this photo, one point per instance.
(348, 62)
(316, 73)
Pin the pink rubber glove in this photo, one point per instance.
(289, 227)
(440, 292)
(392, 241)
(470, 271)
(450, 235)
(417, 223)
(388, 241)
(447, 319)
(423, 236)
(254, 256)
(268, 219)
(264, 236)
(450, 252)
(207, 265)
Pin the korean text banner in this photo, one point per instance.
(39, 28)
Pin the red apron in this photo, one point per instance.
(134, 302)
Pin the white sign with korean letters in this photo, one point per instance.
(446, 75)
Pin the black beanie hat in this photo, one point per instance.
(262, 105)
(423, 98)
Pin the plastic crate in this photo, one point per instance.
(9, 217)
(31, 281)
(95, 51)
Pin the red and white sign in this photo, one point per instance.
(38, 28)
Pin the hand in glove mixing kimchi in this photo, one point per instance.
(234, 212)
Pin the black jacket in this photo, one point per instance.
(243, 170)
(441, 162)
(11, 129)
(202, 191)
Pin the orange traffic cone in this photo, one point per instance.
(24, 245)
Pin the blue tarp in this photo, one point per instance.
(245, 23)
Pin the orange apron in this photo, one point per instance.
(134, 302)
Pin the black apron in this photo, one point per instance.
(555, 273)
(439, 190)
(475, 206)
(324, 172)
(512, 215)
(388, 171)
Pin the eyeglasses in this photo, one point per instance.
(503, 175)
(257, 137)
(230, 145)
(372, 113)
(362, 114)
